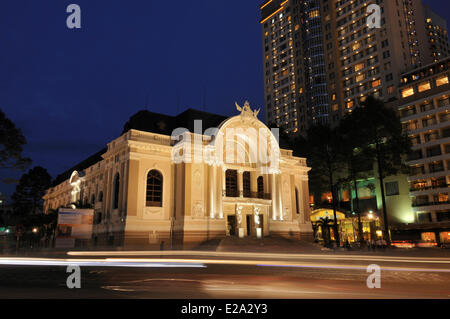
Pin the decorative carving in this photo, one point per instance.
(197, 210)
(285, 214)
(257, 211)
(239, 214)
(246, 111)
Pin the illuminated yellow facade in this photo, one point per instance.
(149, 188)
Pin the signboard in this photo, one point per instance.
(74, 224)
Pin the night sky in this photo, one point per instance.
(71, 91)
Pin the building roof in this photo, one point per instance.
(154, 123)
(165, 124)
(91, 160)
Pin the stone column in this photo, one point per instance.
(219, 193)
(224, 182)
(212, 199)
(253, 182)
(240, 185)
(274, 197)
(277, 208)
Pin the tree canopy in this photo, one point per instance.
(11, 145)
(27, 199)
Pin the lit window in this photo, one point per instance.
(391, 89)
(407, 92)
(154, 189)
(350, 104)
(442, 81)
(359, 67)
(424, 86)
(359, 78)
(376, 83)
(314, 14)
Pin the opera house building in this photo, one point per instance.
(186, 179)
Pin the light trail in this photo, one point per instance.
(194, 263)
(263, 255)
(95, 263)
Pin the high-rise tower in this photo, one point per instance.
(322, 59)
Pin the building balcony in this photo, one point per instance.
(429, 159)
(431, 206)
(440, 140)
(409, 116)
(245, 194)
(427, 190)
(418, 130)
(428, 176)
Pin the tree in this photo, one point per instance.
(357, 162)
(27, 199)
(384, 142)
(323, 155)
(11, 145)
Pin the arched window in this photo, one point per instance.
(116, 191)
(231, 183)
(154, 194)
(92, 199)
(296, 202)
(246, 184)
(260, 182)
(100, 197)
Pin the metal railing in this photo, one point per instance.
(430, 204)
(247, 194)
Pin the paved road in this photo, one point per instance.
(225, 275)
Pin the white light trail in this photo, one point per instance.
(247, 255)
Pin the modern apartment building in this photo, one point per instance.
(322, 59)
(437, 33)
(295, 64)
(425, 113)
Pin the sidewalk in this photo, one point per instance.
(250, 245)
(282, 245)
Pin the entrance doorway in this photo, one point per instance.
(250, 225)
(231, 225)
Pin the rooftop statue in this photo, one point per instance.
(246, 110)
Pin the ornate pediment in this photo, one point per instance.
(246, 110)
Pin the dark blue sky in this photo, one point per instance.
(71, 91)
